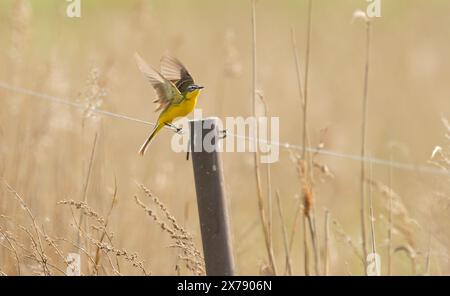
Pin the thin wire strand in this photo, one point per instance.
(373, 160)
(68, 102)
(324, 152)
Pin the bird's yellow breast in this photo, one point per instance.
(180, 110)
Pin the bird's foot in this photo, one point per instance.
(222, 134)
(179, 130)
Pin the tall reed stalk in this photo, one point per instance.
(390, 220)
(326, 266)
(364, 127)
(307, 190)
(372, 222)
(262, 213)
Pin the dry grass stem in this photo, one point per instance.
(365, 114)
(256, 158)
(285, 237)
(326, 266)
(182, 240)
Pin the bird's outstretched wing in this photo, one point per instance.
(173, 70)
(167, 92)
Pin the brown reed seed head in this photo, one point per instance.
(308, 200)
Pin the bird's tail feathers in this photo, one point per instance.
(149, 139)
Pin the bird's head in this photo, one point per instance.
(193, 90)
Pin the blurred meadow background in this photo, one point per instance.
(59, 163)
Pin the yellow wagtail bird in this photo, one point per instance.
(176, 92)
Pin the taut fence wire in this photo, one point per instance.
(331, 153)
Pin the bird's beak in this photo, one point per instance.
(200, 87)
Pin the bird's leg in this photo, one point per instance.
(178, 130)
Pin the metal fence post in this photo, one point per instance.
(212, 204)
